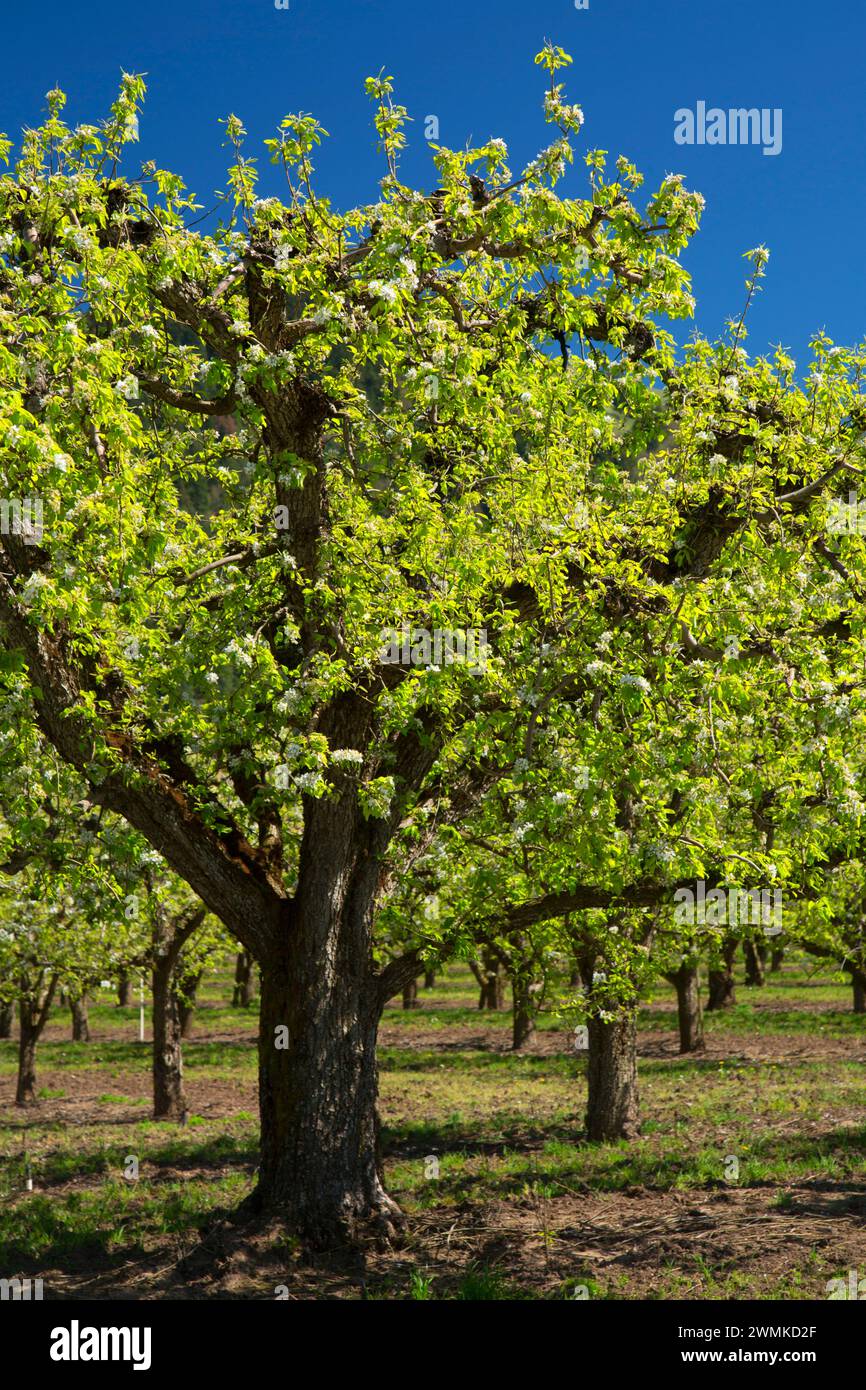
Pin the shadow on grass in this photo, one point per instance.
(465, 1057)
(57, 1167)
(72, 1230)
(559, 1157)
(99, 1237)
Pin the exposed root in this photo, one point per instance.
(258, 1236)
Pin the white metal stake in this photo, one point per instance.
(141, 1008)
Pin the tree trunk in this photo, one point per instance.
(686, 982)
(721, 980)
(169, 1102)
(429, 979)
(188, 1000)
(80, 1021)
(124, 992)
(522, 1011)
(25, 1092)
(498, 990)
(410, 995)
(612, 1108)
(7, 1018)
(32, 1017)
(858, 983)
(245, 987)
(322, 999)
(492, 992)
(754, 964)
(318, 1080)
(776, 960)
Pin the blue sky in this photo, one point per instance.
(469, 62)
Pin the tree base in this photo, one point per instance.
(364, 1222)
(258, 1237)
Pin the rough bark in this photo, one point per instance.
(776, 960)
(754, 965)
(169, 1102)
(80, 1020)
(721, 981)
(170, 934)
(613, 1105)
(245, 985)
(124, 992)
(7, 1017)
(320, 1009)
(475, 967)
(491, 980)
(410, 995)
(522, 1011)
(429, 979)
(686, 982)
(33, 1010)
(188, 1001)
(858, 985)
(25, 1092)
(319, 1164)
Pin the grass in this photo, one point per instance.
(768, 1127)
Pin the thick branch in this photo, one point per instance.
(224, 870)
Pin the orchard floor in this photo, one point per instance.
(749, 1179)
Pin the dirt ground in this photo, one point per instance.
(575, 1239)
(553, 1248)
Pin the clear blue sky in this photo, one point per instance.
(470, 63)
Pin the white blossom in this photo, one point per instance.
(347, 755)
(31, 589)
(636, 682)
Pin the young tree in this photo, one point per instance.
(686, 980)
(174, 944)
(722, 986)
(46, 943)
(833, 928)
(87, 896)
(489, 975)
(80, 1020)
(244, 987)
